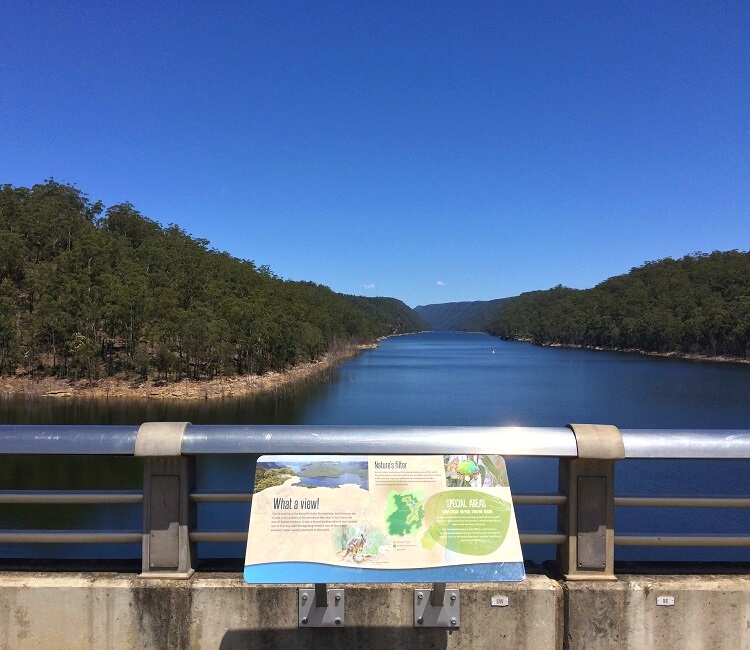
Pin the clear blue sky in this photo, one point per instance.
(429, 151)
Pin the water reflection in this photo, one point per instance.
(282, 407)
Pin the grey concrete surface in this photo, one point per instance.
(98, 610)
(59, 610)
(709, 611)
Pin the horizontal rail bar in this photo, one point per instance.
(245, 497)
(374, 440)
(540, 499)
(682, 502)
(67, 439)
(221, 497)
(686, 443)
(218, 536)
(238, 536)
(69, 537)
(76, 537)
(682, 540)
(543, 538)
(321, 439)
(88, 497)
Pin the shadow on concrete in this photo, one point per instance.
(349, 638)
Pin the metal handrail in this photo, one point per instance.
(70, 537)
(221, 497)
(682, 502)
(370, 440)
(376, 440)
(238, 536)
(556, 538)
(682, 540)
(686, 443)
(246, 497)
(82, 497)
(89, 439)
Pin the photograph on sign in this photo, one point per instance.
(382, 519)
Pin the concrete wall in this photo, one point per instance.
(708, 612)
(98, 610)
(217, 611)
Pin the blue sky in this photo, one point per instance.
(429, 151)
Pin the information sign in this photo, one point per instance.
(382, 519)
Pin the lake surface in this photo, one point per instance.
(455, 378)
(450, 379)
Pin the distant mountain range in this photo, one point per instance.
(458, 316)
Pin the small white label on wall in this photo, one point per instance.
(499, 601)
(665, 601)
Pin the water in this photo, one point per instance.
(454, 378)
(474, 379)
(441, 379)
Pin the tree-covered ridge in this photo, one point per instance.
(87, 292)
(699, 304)
(398, 318)
(454, 316)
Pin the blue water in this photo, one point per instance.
(473, 379)
(451, 378)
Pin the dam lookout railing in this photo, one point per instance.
(585, 500)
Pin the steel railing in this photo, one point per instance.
(253, 440)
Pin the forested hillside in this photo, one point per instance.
(396, 314)
(460, 315)
(89, 292)
(699, 304)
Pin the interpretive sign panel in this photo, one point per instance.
(382, 519)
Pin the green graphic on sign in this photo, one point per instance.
(404, 513)
(466, 521)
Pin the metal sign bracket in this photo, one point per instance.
(437, 607)
(321, 607)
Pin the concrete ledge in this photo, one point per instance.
(218, 610)
(98, 610)
(709, 611)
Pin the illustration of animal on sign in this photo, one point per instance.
(354, 546)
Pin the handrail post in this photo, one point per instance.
(168, 515)
(589, 516)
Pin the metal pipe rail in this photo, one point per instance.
(70, 537)
(371, 440)
(254, 440)
(682, 540)
(244, 497)
(682, 502)
(78, 497)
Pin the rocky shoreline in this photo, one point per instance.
(220, 388)
(647, 353)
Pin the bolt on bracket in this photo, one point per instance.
(437, 607)
(321, 607)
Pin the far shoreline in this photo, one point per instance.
(685, 356)
(184, 389)
(253, 385)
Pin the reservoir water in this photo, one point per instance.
(441, 379)
(452, 378)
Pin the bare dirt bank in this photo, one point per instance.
(177, 390)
